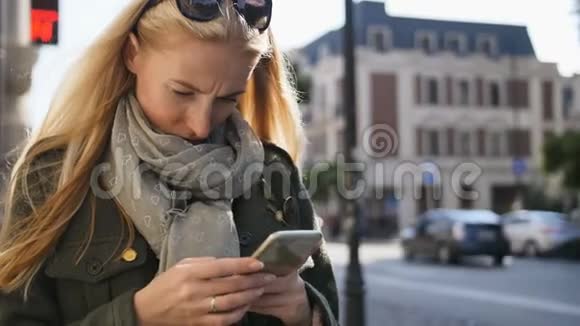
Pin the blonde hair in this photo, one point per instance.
(80, 119)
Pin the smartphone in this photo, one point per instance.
(284, 252)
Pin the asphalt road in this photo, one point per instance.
(525, 292)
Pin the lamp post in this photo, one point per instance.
(354, 280)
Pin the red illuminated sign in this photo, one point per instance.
(44, 20)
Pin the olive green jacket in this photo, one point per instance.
(99, 291)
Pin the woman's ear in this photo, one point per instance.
(131, 53)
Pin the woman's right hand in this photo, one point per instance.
(183, 294)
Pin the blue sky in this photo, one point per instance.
(551, 23)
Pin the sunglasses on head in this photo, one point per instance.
(257, 13)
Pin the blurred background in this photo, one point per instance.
(467, 126)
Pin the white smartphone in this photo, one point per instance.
(284, 252)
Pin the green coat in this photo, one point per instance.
(99, 291)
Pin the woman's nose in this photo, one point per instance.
(199, 124)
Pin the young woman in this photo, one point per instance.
(133, 204)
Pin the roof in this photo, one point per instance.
(512, 40)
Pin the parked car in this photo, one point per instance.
(448, 235)
(535, 233)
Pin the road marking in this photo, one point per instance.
(479, 295)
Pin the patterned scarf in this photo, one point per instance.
(179, 195)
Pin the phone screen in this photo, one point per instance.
(284, 256)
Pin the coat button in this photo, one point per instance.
(245, 238)
(129, 255)
(94, 267)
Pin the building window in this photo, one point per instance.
(418, 89)
(434, 147)
(433, 91)
(494, 94)
(518, 93)
(496, 144)
(548, 100)
(426, 41)
(487, 45)
(450, 142)
(456, 43)
(379, 38)
(519, 142)
(340, 141)
(567, 101)
(464, 93)
(465, 143)
(419, 150)
(481, 142)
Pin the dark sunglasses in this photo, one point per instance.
(257, 13)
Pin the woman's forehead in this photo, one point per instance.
(205, 63)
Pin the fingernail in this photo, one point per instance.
(257, 265)
(269, 278)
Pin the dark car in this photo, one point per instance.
(448, 235)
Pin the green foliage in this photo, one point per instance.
(562, 154)
(321, 181)
(535, 199)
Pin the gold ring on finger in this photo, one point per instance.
(212, 305)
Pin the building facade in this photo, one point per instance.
(449, 114)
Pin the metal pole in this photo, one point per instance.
(16, 61)
(355, 314)
(3, 73)
(514, 98)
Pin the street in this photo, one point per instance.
(525, 292)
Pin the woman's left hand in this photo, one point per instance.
(286, 299)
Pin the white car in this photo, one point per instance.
(533, 233)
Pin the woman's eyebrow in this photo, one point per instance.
(186, 84)
(195, 89)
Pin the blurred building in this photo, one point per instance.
(434, 94)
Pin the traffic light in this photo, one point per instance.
(44, 19)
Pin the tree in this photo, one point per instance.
(562, 155)
(325, 180)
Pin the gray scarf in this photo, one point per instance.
(179, 195)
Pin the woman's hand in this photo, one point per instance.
(183, 294)
(286, 299)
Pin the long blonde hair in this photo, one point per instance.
(80, 119)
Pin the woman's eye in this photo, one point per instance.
(179, 93)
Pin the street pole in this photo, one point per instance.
(16, 60)
(355, 314)
(514, 104)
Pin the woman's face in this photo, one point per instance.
(190, 86)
